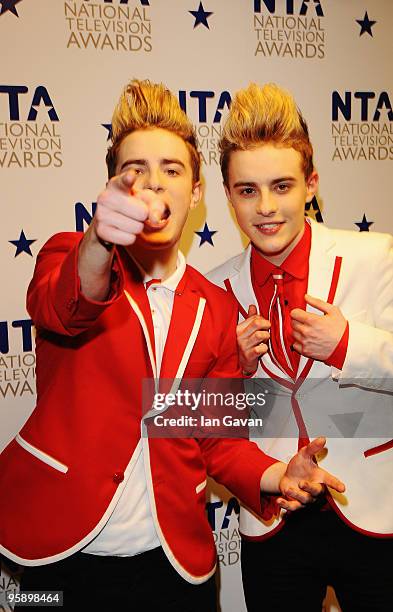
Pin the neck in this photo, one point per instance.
(156, 263)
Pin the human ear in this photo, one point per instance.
(196, 195)
(312, 185)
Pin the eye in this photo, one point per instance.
(247, 191)
(172, 172)
(282, 187)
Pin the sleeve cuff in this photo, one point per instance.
(337, 358)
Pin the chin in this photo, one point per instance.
(156, 240)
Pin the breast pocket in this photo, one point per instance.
(41, 455)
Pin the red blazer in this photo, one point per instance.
(65, 470)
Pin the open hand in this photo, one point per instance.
(304, 480)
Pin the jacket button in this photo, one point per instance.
(118, 477)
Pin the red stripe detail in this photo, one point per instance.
(381, 536)
(282, 381)
(335, 277)
(228, 287)
(303, 374)
(375, 450)
(303, 435)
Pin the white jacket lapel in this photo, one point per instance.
(240, 280)
(321, 266)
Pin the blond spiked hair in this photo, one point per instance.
(144, 105)
(261, 115)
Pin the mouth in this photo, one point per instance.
(154, 226)
(269, 229)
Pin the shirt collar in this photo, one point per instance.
(296, 264)
(173, 280)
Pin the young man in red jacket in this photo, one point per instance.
(93, 505)
(316, 327)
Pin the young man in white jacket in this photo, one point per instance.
(315, 328)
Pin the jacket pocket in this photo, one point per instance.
(41, 455)
(375, 450)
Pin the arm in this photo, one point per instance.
(77, 277)
(54, 298)
(369, 354)
(370, 345)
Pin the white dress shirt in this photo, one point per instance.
(130, 529)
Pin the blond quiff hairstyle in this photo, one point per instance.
(144, 105)
(261, 115)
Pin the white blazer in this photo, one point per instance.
(352, 407)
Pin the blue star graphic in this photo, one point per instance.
(22, 245)
(206, 235)
(201, 16)
(364, 225)
(366, 24)
(9, 5)
(108, 126)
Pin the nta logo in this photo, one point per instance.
(289, 5)
(203, 97)
(40, 96)
(361, 100)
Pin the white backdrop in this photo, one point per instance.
(64, 64)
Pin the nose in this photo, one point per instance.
(154, 180)
(266, 204)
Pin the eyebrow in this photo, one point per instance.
(273, 182)
(143, 162)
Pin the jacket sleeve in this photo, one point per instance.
(236, 463)
(369, 357)
(54, 298)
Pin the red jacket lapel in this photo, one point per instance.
(185, 309)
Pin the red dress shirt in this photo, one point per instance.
(295, 268)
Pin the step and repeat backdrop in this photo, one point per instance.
(64, 63)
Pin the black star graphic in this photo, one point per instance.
(108, 126)
(364, 225)
(365, 24)
(9, 5)
(201, 16)
(22, 245)
(206, 235)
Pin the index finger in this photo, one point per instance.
(299, 315)
(155, 206)
(333, 482)
(324, 307)
(124, 182)
(254, 323)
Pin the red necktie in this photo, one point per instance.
(280, 326)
